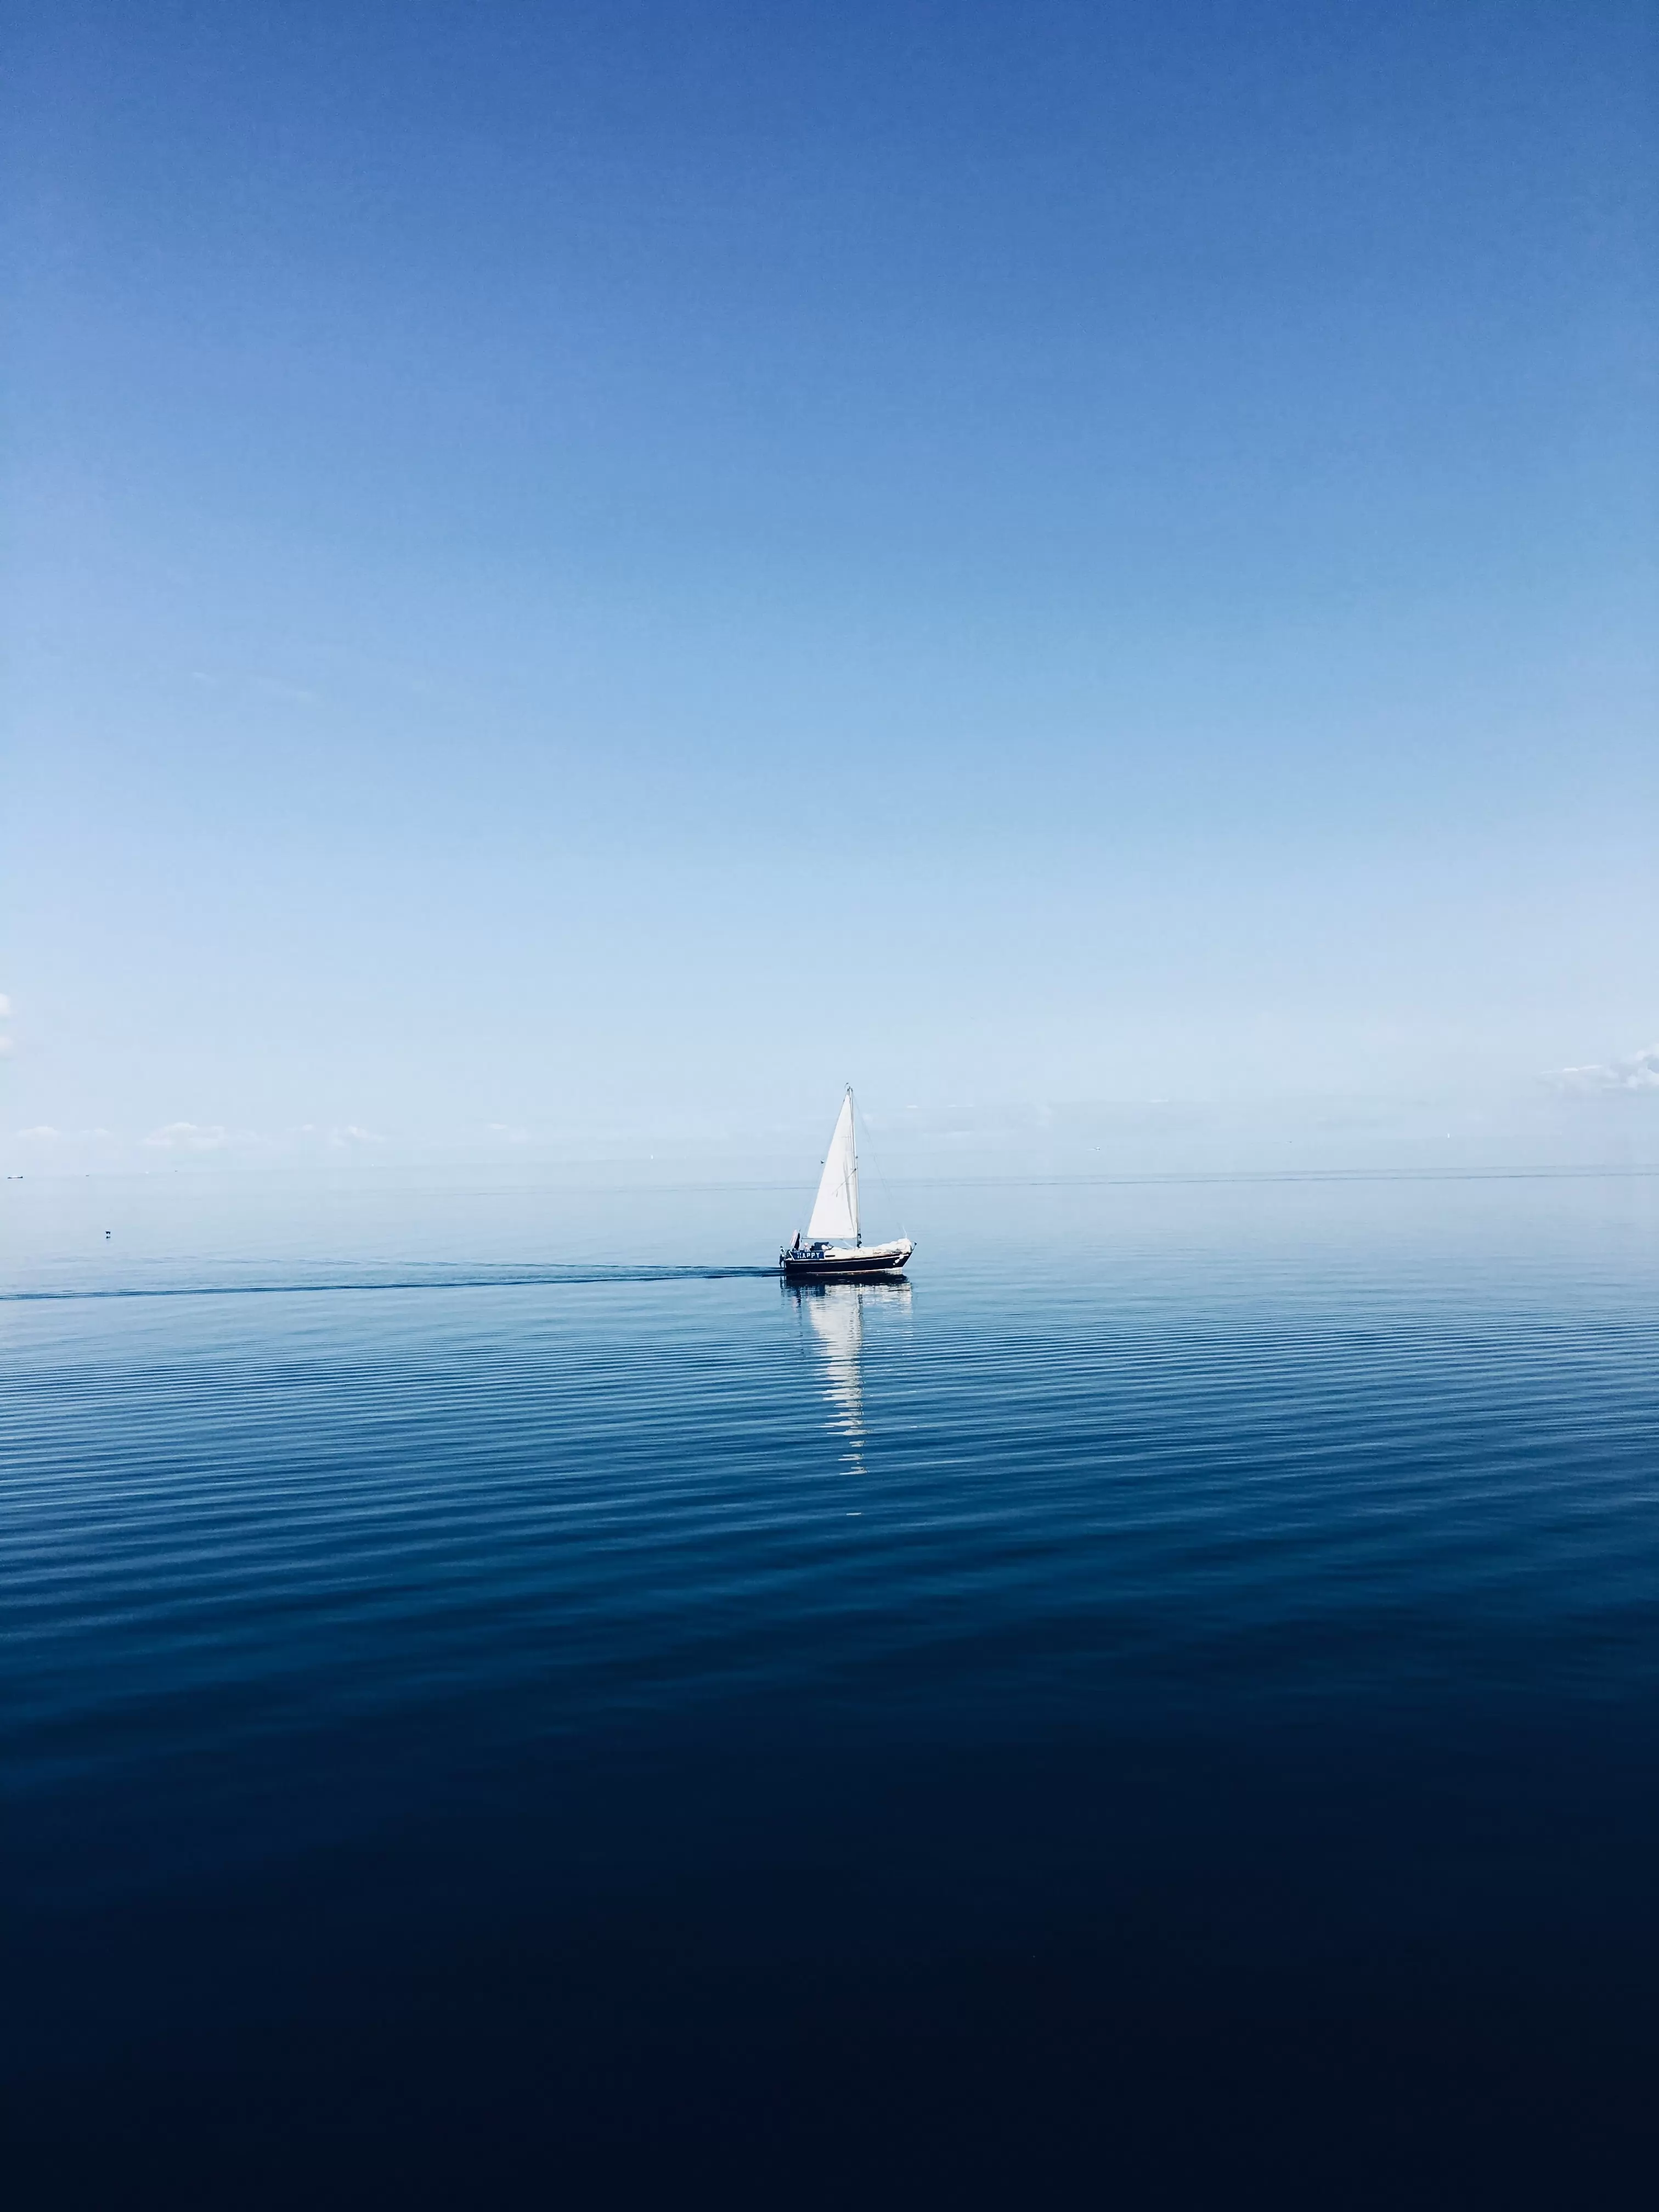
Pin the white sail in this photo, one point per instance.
(835, 1209)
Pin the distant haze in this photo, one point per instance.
(578, 576)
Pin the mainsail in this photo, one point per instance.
(835, 1210)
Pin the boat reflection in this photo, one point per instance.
(835, 1316)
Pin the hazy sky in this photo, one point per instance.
(573, 566)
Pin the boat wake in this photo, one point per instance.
(501, 1279)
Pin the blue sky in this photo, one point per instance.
(571, 569)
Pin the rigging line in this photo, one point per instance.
(886, 1187)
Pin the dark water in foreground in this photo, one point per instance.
(502, 1705)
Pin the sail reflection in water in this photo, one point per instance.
(836, 1315)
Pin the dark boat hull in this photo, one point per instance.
(870, 1261)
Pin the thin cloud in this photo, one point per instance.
(190, 1137)
(339, 1134)
(1640, 1071)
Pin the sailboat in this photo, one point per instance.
(832, 1244)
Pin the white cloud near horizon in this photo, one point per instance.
(1639, 1071)
(189, 1137)
(213, 1137)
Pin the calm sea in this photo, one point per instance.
(505, 1702)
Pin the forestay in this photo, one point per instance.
(835, 1210)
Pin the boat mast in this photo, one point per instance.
(853, 1148)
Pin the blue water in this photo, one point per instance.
(504, 1700)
